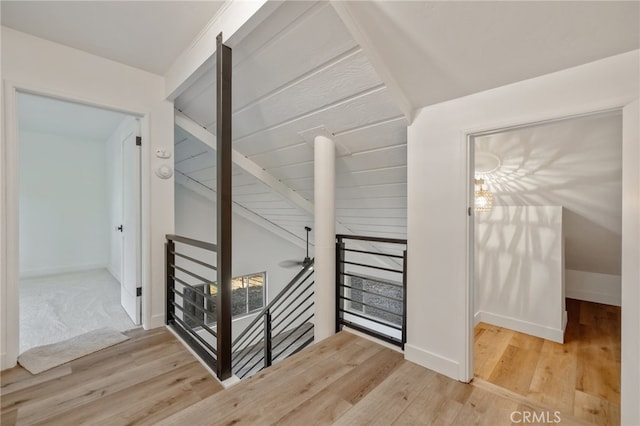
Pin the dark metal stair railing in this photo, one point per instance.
(371, 287)
(281, 329)
(189, 298)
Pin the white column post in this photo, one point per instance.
(325, 237)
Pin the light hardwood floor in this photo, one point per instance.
(140, 381)
(345, 380)
(580, 377)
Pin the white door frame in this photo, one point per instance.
(9, 215)
(471, 222)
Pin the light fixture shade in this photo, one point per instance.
(483, 198)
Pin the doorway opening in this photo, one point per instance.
(547, 233)
(79, 220)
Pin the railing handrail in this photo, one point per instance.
(192, 242)
(281, 294)
(372, 239)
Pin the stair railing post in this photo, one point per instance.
(404, 298)
(170, 258)
(339, 281)
(223, 206)
(267, 339)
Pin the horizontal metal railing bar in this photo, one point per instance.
(190, 241)
(280, 295)
(381, 268)
(259, 352)
(370, 306)
(249, 337)
(211, 298)
(253, 366)
(194, 260)
(299, 314)
(192, 303)
(191, 331)
(197, 320)
(304, 344)
(295, 340)
(276, 315)
(246, 350)
(278, 303)
(194, 275)
(372, 293)
(371, 239)
(370, 319)
(363, 277)
(301, 305)
(292, 332)
(191, 341)
(397, 256)
(373, 333)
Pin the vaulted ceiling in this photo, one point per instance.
(359, 69)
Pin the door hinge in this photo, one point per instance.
(139, 140)
(469, 211)
(138, 291)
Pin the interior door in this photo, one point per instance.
(130, 284)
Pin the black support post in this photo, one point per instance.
(267, 340)
(223, 151)
(170, 260)
(404, 298)
(339, 282)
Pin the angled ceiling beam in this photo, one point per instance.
(235, 20)
(249, 166)
(345, 11)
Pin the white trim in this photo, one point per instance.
(34, 273)
(593, 287)
(347, 329)
(10, 214)
(526, 327)
(435, 362)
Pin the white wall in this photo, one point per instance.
(36, 65)
(519, 270)
(255, 249)
(63, 208)
(438, 225)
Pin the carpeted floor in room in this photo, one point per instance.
(58, 307)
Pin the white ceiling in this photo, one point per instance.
(575, 163)
(286, 82)
(144, 34)
(303, 68)
(53, 116)
(440, 50)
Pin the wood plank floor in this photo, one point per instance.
(140, 381)
(580, 377)
(348, 380)
(345, 380)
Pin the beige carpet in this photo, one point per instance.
(42, 358)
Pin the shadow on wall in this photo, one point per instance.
(520, 269)
(576, 164)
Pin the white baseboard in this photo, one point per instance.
(155, 322)
(533, 329)
(115, 274)
(435, 362)
(34, 273)
(593, 287)
(6, 363)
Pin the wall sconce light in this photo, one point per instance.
(483, 198)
